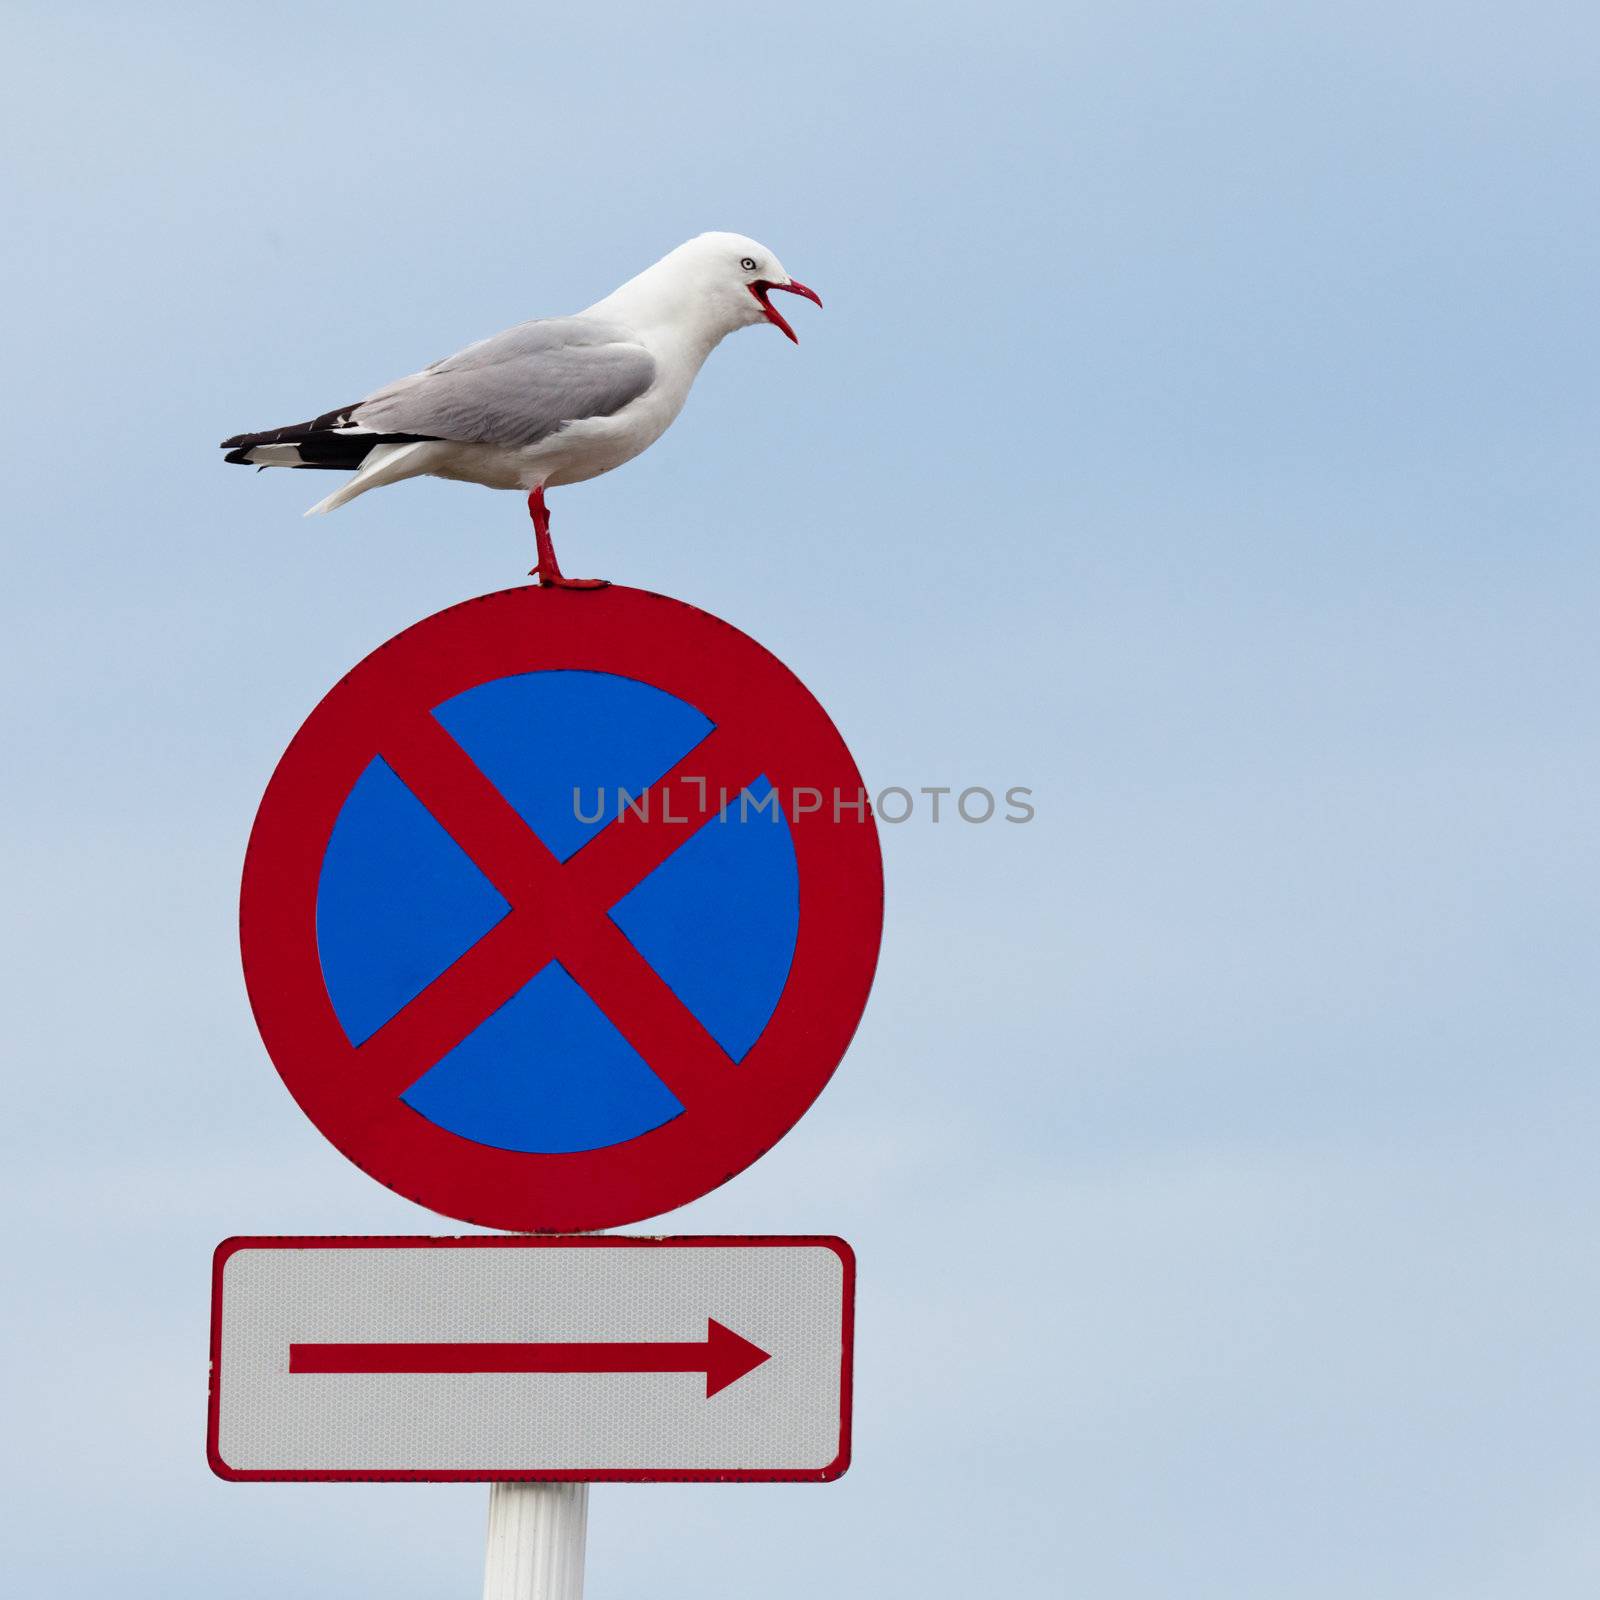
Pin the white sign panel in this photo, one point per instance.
(590, 1357)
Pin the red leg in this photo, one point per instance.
(548, 572)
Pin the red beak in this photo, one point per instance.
(761, 288)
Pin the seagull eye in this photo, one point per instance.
(748, 263)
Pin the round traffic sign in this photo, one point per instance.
(561, 908)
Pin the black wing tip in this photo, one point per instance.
(294, 432)
(318, 443)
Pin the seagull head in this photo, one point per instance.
(760, 274)
(733, 278)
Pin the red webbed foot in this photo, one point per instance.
(548, 571)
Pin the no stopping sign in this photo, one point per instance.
(561, 908)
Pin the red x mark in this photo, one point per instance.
(559, 911)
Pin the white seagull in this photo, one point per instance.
(552, 401)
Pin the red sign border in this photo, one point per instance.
(737, 684)
(835, 1468)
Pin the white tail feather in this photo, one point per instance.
(385, 463)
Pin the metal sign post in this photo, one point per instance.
(558, 911)
(537, 1537)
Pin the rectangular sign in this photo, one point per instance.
(590, 1357)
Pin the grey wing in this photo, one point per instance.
(518, 387)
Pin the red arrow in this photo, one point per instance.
(722, 1355)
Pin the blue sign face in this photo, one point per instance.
(399, 901)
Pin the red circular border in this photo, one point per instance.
(734, 682)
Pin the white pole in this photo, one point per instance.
(536, 1539)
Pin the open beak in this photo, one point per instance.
(761, 288)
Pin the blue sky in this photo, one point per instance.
(1201, 431)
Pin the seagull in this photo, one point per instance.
(548, 402)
